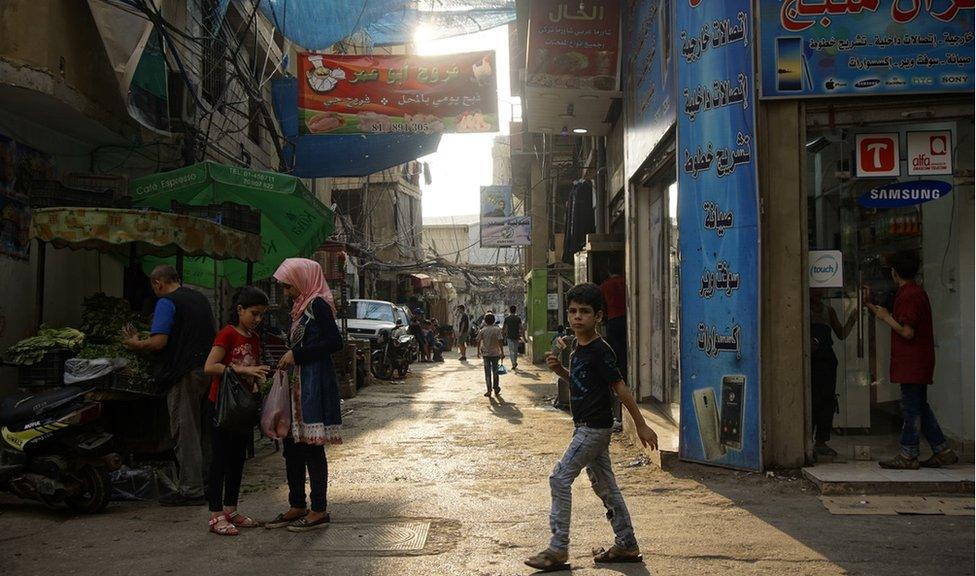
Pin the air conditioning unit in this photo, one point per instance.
(182, 103)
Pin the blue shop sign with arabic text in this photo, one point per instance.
(865, 47)
(718, 222)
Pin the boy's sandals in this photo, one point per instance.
(616, 554)
(281, 520)
(242, 521)
(548, 561)
(304, 525)
(222, 526)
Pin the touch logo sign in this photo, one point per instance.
(877, 155)
(826, 269)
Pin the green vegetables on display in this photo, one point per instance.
(102, 321)
(32, 350)
(138, 368)
(105, 316)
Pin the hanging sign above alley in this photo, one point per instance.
(359, 94)
(574, 45)
(500, 226)
(865, 47)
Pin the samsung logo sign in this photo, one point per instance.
(867, 83)
(904, 194)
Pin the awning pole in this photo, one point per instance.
(39, 285)
(179, 266)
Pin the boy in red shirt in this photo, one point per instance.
(912, 365)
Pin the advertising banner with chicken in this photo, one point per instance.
(360, 94)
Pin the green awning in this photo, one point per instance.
(293, 222)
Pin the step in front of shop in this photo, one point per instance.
(869, 478)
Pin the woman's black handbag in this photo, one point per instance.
(237, 408)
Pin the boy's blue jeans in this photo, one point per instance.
(590, 449)
(917, 416)
(491, 371)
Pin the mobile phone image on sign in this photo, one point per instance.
(789, 63)
(733, 395)
(706, 412)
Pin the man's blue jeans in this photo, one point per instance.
(917, 417)
(590, 449)
(513, 350)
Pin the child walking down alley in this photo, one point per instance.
(236, 347)
(593, 374)
(489, 343)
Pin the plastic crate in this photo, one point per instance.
(48, 372)
(230, 214)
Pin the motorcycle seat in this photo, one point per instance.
(25, 406)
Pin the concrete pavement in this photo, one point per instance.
(433, 454)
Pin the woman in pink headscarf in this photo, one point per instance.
(316, 418)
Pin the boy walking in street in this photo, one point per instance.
(593, 374)
(489, 343)
(912, 366)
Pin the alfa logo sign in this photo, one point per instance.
(877, 155)
(825, 269)
(930, 153)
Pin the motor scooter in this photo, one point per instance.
(51, 451)
(393, 354)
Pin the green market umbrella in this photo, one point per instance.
(293, 222)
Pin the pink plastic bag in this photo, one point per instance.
(276, 414)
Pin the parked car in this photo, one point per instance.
(365, 319)
(407, 314)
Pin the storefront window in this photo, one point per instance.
(865, 203)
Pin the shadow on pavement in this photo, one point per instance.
(502, 409)
(858, 544)
(530, 375)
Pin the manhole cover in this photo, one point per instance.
(398, 537)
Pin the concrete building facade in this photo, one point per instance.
(807, 195)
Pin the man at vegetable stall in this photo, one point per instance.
(180, 338)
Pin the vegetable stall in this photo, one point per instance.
(119, 376)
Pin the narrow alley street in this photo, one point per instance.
(432, 450)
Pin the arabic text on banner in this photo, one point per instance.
(358, 94)
(648, 77)
(866, 47)
(718, 234)
(500, 226)
(573, 45)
